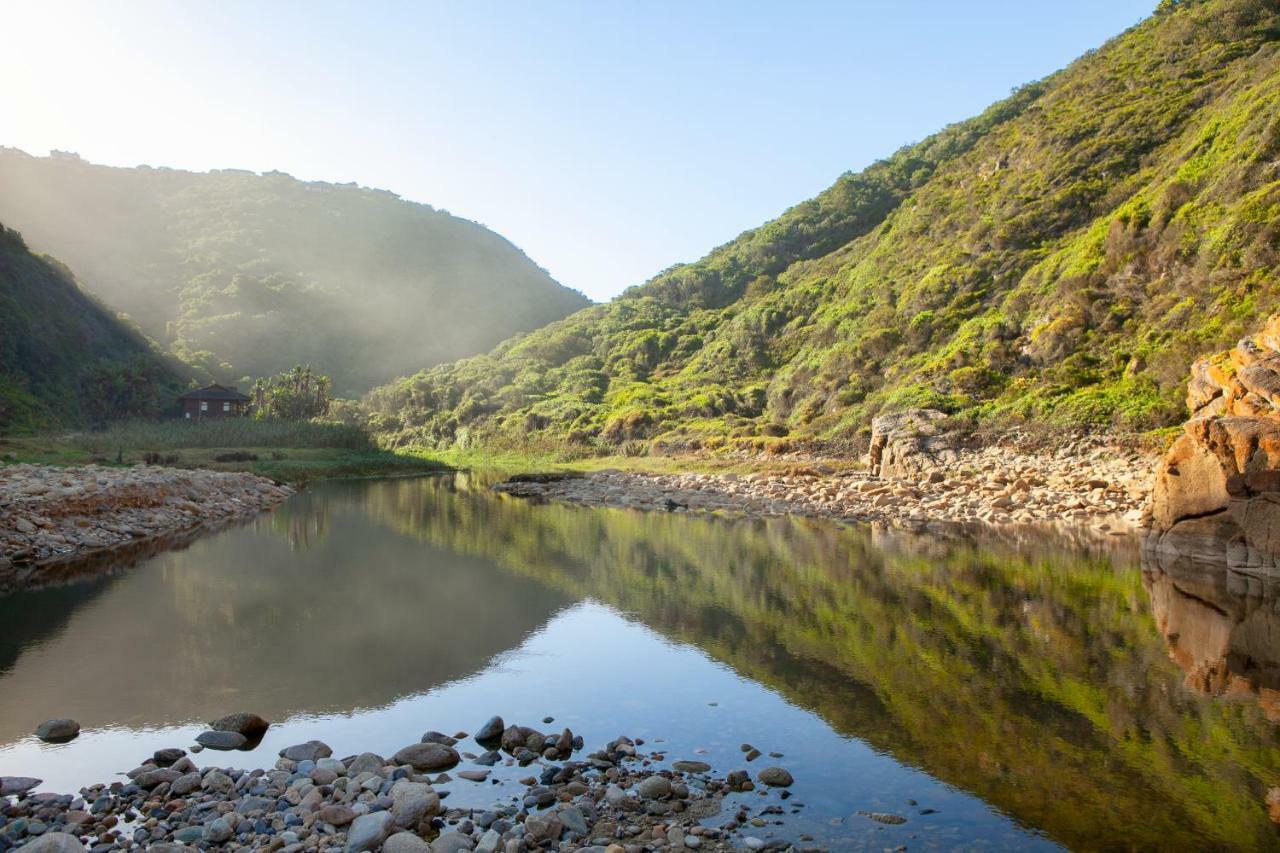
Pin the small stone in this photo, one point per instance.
(884, 817)
(369, 831)
(405, 842)
(778, 777)
(654, 788)
(221, 739)
(336, 814)
(167, 757)
(59, 730)
(473, 775)
(54, 842)
(452, 842)
(184, 784)
(491, 731)
(309, 751)
(691, 766)
(218, 831)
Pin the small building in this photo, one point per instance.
(214, 401)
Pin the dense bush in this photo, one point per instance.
(1062, 258)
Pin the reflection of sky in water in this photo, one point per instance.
(364, 614)
(601, 675)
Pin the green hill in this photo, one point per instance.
(1061, 257)
(244, 275)
(64, 359)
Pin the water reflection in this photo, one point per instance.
(1064, 687)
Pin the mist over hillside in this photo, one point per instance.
(243, 275)
(1061, 257)
(66, 360)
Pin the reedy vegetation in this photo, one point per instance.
(1061, 257)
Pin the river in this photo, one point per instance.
(1016, 693)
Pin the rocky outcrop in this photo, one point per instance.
(910, 444)
(1216, 495)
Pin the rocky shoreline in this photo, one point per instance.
(617, 799)
(51, 515)
(1087, 482)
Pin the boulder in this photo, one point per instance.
(411, 802)
(405, 842)
(221, 739)
(312, 750)
(1216, 495)
(491, 731)
(369, 831)
(910, 444)
(60, 730)
(427, 756)
(778, 777)
(250, 725)
(55, 842)
(11, 786)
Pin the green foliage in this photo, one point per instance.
(64, 359)
(176, 434)
(294, 395)
(244, 275)
(1064, 256)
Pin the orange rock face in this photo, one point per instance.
(1217, 492)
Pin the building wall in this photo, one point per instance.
(191, 409)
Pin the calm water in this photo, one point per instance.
(1034, 696)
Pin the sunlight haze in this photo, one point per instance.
(606, 140)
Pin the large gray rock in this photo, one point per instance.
(778, 777)
(411, 802)
(405, 842)
(654, 787)
(366, 762)
(451, 842)
(221, 739)
(55, 842)
(184, 784)
(369, 831)
(153, 778)
(58, 731)
(312, 750)
(427, 756)
(250, 725)
(11, 786)
(491, 731)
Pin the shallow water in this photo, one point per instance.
(1033, 694)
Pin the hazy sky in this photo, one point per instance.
(607, 139)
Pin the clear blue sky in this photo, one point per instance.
(608, 140)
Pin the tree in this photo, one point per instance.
(294, 395)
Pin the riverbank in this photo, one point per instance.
(50, 515)
(1088, 481)
(626, 797)
(295, 466)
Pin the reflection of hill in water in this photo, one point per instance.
(253, 619)
(1034, 678)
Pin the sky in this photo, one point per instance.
(607, 139)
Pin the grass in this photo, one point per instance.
(288, 452)
(512, 461)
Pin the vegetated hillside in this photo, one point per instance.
(244, 275)
(1062, 257)
(64, 359)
